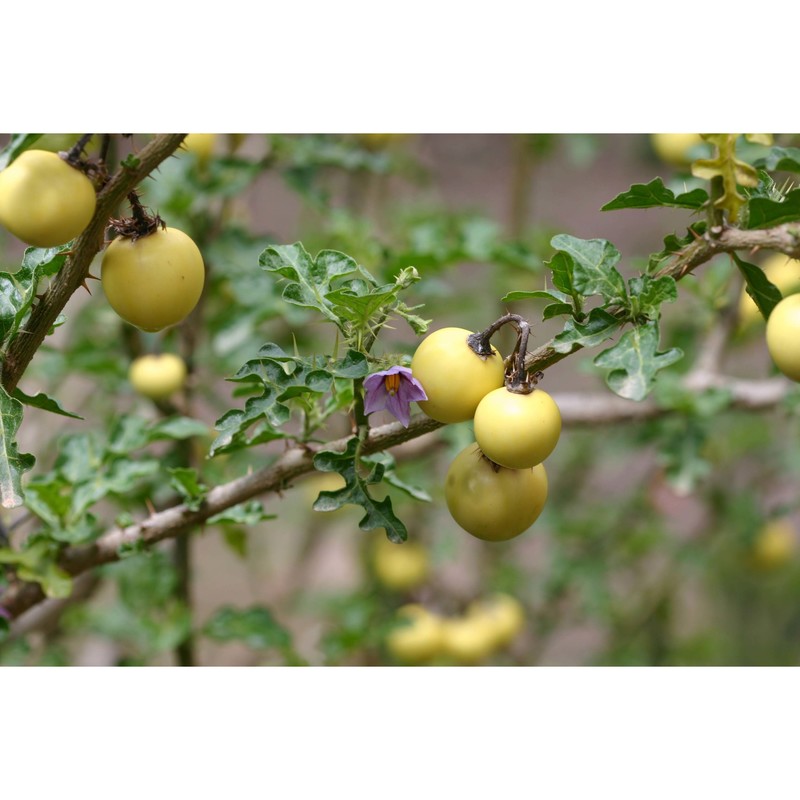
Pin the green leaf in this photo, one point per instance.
(654, 194)
(18, 144)
(359, 306)
(391, 477)
(12, 463)
(18, 289)
(177, 428)
(782, 159)
(765, 213)
(43, 402)
(673, 245)
(379, 514)
(185, 482)
(309, 279)
(648, 293)
(634, 361)
(37, 563)
(255, 626)
(556, 310)
(764, 293)
(353, 365)
(599, 326)
(546, 294)
(594, 270)
(562, 265)
(249, 513)
(237, 540)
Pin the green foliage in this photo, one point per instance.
(254, 626)
(655, 194)
(764, 293)
(378, 513)
(13, 464)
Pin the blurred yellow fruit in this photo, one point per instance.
(468, 639)
(781, 270)
(202, 145)
(157, 376)
(674, 147)
(418, 639)
(774, 545)
(504, 613)
(400, 566)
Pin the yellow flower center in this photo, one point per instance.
(392, 383)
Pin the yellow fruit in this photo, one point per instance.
(201, 145)
(155, 281)
(468, 639)
(157, 376)
(417, 637)
(504, 613)
(783, 336)
(781, 270)
(43, 200)
(400, 566)
(674, 147)
(774, 545)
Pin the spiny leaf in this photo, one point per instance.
(594, 270)
(765, 213)
(648, 293)
(654, 194)
(379, 513)
(634, 361)
(599, 326)
(12, 463)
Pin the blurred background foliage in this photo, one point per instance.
(670, 541)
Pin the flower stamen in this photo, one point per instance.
(392, 383)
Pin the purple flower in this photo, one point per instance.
(5, 614)
(392, 389)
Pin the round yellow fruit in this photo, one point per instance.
(783, 272)
(517, 430)
(157, 376)
(417, 637)
(504, 613)
(400, 566)
(674, 147)
(469, 639)
(783, 336)
(774, 545)
(454, 377)
(493, 503)
(155, 281)
(201, 145)
(43, 200)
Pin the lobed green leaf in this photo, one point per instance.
(655, 194)
(634, 361)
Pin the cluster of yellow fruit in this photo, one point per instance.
(487, 627)
(497, 487)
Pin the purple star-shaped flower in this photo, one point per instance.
(392, 389)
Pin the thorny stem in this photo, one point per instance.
(73, 157)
